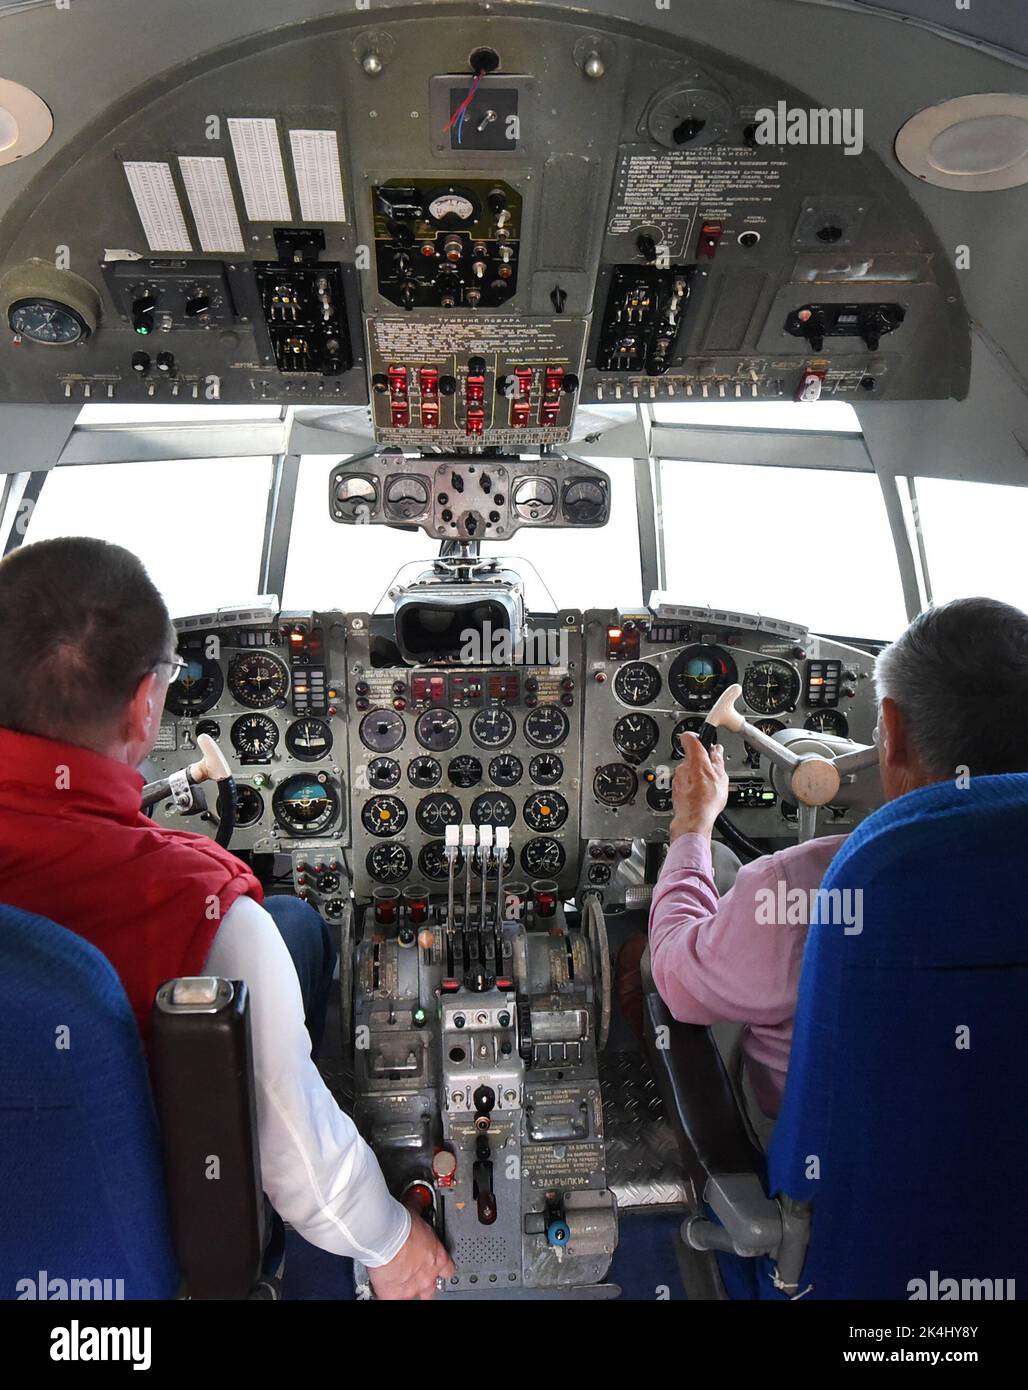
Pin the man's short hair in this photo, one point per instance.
(960, 676)
(81, 624)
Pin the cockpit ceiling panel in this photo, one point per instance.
(332, 213)
(1003, 23)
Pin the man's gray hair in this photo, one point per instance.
(960, 676)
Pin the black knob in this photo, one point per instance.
(166, 363)
(559, 299)
(476, 366)
(380, 382)
(197, 304)
(142, 313)
(497, 201)
(447, 385)
(570, 384)
(647, 247)
(141, 362)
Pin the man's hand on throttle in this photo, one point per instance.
(699, 792)
(413, 1271)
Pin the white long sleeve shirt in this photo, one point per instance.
(318, 1172)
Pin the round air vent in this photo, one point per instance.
(978, 143)
(26, 122)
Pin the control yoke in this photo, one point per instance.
(212, 767)
(813, 779)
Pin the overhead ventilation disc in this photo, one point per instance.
(977, 143)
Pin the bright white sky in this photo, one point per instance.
(812, 546)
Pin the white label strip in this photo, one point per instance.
(158, 206)
(259, 164)
(318, 179)
(213, 207)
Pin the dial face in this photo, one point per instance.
(771, 687)
(638, 683)
(546, 769)
(249, 806)
(534, 499)
(305, 804)
(388, 863)
(546, 726)
(383, 773)
(437, 729)
(506, 770)
(199, 687)
(493, 808)
(355, 498)
(766, 726)
(684, 726)
(433, 863)
(635, 736)
(382, 730)
(424, 771)
(493, 727)
(309, 739)
(658, 798)
(47, 321)
(828, 721)
(585, 500)
(543, 858)
(614, 784)
(257, 680)
(406, 497)
(699, 675)
(451, 208)
(465, 771)
(476, 862)
(545, 811)
(384, 816)
(210, 727)
(437, 811)
(254, 737)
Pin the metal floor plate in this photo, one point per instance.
(644, 1168)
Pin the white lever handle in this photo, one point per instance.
(213, 766)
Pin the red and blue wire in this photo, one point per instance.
(459, 116)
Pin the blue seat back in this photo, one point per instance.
(903, 1120)
(81, 1186)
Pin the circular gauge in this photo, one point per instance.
(766, 726)
(506, 770)
(249, 806)
(47, 321)
(406, 497)
(546, 726)
(546, 769)
(210, 727)
(424, 771)
(493, 808)
(382, 730)
(543, 858)
(451, 208)
(638, 683)
(534, 499)
(464, 771)
(614, 784)
(771, 687)
(309, 739)
(684, 726)
(828, 721)
(383, 773)
(199, 687)
(585, 500)
(254, 737)
(384, 816)
(433, 863)
(305, 804)
(658, 798)
(699, 675)
(389, 863)
(257, 680)
(476, 862)
(635, 736)
(493, 727)
(437, 811)
(437, 729)
(354, 498)
(545, 811)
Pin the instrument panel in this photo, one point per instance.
(341, 750)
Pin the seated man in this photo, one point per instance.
(87, 651)
(953, 692)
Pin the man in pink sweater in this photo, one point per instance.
(720, 959)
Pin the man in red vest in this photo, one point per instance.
(87, 651)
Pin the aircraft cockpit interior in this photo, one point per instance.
(512, 521)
